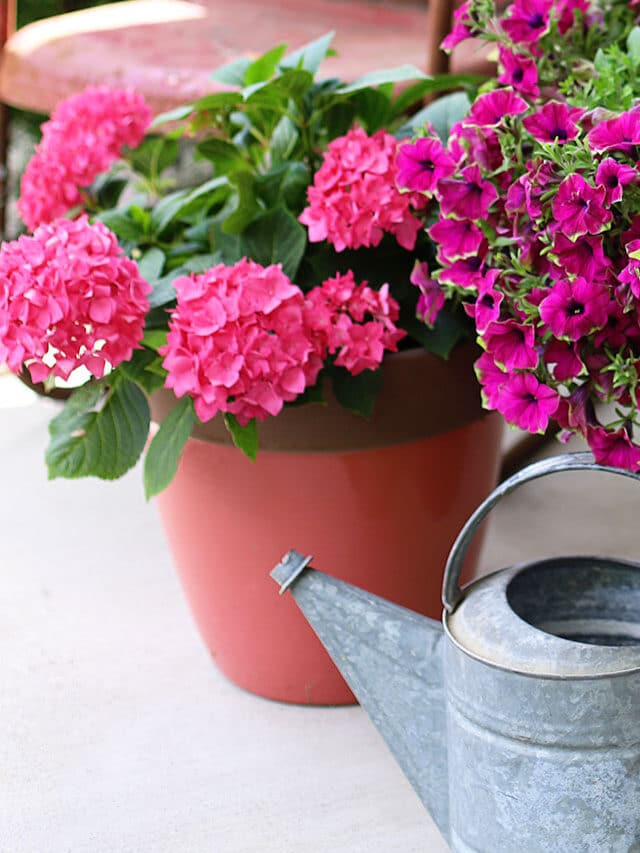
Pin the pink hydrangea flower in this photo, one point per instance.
(83, 138)
(575, 307)
(579, 208)
(354, 321)
(527, 403)
(354, 200)
(69, 298)
(238, 341)
(422, 164)
(554, 122)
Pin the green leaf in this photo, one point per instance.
(378, 78)
(633, 45)
(276, 237)
(224, 155)
(233, 73)
(274, 94)
(442, 114)
(151, 264)
(101, 432)
(310, 55)
(246, 203)
(153, 156)
(121, 224)
(357, 393)
(283, 140)
(285, 184)
(265, 66)
(108, 189)
(154, 338)
(244, 437)
(177, 114)
(372, 107)
(217, 102)
(450, 329)
(442, 82)
(161, 462)
(145, 369)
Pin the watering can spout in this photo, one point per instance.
(391, 658)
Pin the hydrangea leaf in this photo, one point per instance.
(264, 66)
(310, 56)
(378, 78)
(145, 369)
(442, 114)
(161, 461)
(357, 393)
(101, 432)
(276, 237)
(245, 438)
(233, 73)
(151, 264)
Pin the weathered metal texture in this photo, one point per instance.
(392, 660)
(540, 765)
(540, 691)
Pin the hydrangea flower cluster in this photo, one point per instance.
(354, 200)
(337, 311)
(244, 340)
(84, 137)
(544, 249)
(69, 298)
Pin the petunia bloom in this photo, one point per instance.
(614, 448)
(467, 197)
(614, 176)
(422, 164)
(520, 72)
(553, 122)
(575, 307)
(432, 296)
(621, 132)
(580, 208)
(491, 108)
(527, 403)
(527, 20)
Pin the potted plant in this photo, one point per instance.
(256, 256)
(539, 220)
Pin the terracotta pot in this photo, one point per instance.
(377, 503)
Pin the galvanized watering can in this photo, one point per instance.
(518, 719)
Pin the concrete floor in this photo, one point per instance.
(119, 735)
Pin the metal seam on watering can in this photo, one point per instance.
(519, 726)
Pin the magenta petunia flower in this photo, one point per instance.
(455, 239)
(354, 200)
(422, 164)
(614, 176)
(554, 122)
(527, 20)
(463, 28)
(630, 275)
(239, 342)
(490, 109)
(579, 208)
(575, 307)
(486, 307)
(565, 10)
(563, 359)
(621, 132)
(584, 256)
(85, 135)
(69, 298)
(432, 296)
(469, 197)
(520, 72)
(467, 272)
(491, 378)
(511, 344)
(613, 448)
(527, 403)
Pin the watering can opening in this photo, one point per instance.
(586, 600)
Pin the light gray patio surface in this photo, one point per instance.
(118, 735)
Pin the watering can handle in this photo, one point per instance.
(451, 592)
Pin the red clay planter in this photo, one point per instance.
(377, 503)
